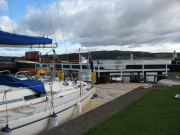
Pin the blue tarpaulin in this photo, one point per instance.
(15, 39)
(14, 82)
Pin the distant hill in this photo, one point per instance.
(105, 55)
(6, 59)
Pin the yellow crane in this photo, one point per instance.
(57, 59)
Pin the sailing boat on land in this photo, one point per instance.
(36, 106)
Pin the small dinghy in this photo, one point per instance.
(117, 79)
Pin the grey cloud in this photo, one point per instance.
(132, 22)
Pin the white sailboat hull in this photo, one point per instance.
(40, 122)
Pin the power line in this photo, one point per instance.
(11, 17)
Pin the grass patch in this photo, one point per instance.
(157, 113)
(176, 73)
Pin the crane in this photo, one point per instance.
(57, 59)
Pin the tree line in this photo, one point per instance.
(113, 55)
(107, 55)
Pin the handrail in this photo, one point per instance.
(121, 70)
(6, 71)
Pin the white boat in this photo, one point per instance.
(26, 111)
(117, 79)
(83, 60)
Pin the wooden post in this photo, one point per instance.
(145, 77)
(158, 77)
(98, 71)
(143, 70)
(130, 77)
(121, 71)
(139, 77)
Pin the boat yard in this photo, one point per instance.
(55, 88)
(86, 121)
(83, 123)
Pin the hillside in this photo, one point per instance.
(105, 55)
(99, 55)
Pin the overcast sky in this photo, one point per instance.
(93, 25)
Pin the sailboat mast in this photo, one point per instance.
(53, 64)
(79, 56)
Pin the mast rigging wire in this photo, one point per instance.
(11, 17)
(50, 20)
(47, 19)
(61, 30)
(44, 13)
(53, 48)
(0, 27)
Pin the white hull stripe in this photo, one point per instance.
(12, 101)
(47, 116)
